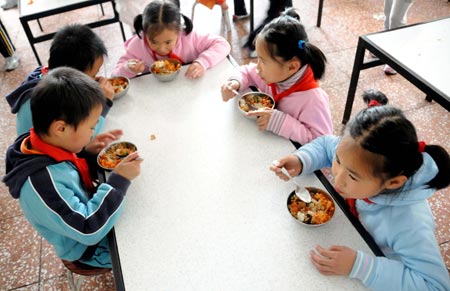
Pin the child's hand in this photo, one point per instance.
(263, 117)
(129, 167)
(106, 87)
(101, 140)
(136, 66)
(194, 71)
(229, 89)
(291, 163)
(336, 260)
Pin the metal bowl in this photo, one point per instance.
(111, 155)
(249, 102)
(120, 85)
(317, 219)
(166, 70)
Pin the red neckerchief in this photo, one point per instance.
(59, 155)
(305, 83)
(170, 55)
(352, 204)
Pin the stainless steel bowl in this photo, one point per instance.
(120, 90)
(111, 155)
(244, 106)
(308, 220)
(159, 70)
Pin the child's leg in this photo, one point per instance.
(239, 8)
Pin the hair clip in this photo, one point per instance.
(374, 102)
(301, 44)
(421, 146)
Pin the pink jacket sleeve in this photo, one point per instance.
(307, 116)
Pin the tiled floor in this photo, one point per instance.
(28, 263)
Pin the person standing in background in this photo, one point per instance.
(7, 50)
(395, 12)
(275, 9)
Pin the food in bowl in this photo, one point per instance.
(319, 211)
(120, 85)
(254, 101)
(166, 66)
(166, 70)
(114, 153)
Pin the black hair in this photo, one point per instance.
(159, 15)
(282, 36)
(385, 131)
(64, 94)
(378, 96)
(76, 46)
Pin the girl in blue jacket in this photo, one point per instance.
(387, 175)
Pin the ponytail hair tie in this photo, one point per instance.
(301, 44)
(421, 146)
(374, 102)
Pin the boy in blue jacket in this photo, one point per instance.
(53, 184)
(75, 46)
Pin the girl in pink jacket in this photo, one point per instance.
(161, 34)
(288, 68)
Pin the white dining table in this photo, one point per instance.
(206, 213)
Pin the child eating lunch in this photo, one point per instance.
(288, 68)
(53, 184)
(386, 176)
(76, 46)
(161, 34)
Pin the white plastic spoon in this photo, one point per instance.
(300, 191)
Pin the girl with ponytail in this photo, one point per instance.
(162, 31)
(386, 176)
(289, 68)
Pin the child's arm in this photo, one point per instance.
(318, 154)
(405, 233)
(304, 124)
(313, 156)
(55, 202)
(211, 49)
(135, 49)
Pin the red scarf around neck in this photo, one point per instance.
(352, 204)
(59, 155)
(170, 55)
(306, 82)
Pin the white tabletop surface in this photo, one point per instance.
(423, 49)
(43, 5)
(206, 213)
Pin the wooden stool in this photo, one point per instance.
(83, 270)
(210, 4)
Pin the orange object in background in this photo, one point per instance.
(30, 2)
(210, 3)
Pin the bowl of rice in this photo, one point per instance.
(166, 70)
(253, 101)
(120, 85)
(316, 213)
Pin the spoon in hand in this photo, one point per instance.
(300, 191)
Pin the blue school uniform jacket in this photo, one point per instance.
(19, 101)
(401, 224)
(53, 199)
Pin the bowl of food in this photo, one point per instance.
(166, 70)
(111, 155)
(120, 85)
(253, 101)
(318, 212)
